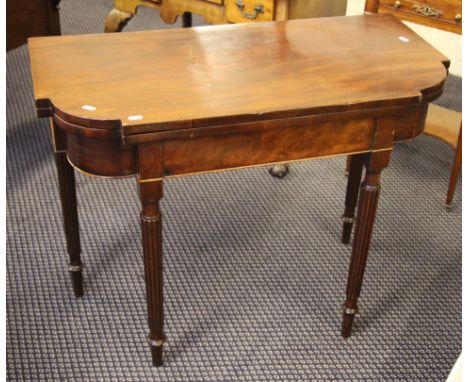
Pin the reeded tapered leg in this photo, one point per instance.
(352, 192)
(153, 261)
(368, 199)
(151, 191)
(66, 177)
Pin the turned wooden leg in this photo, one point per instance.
(356, 164)
(186, 20)
(151, 191)
(66, 177)
(368, 199)
(153, 261)
(455, 169)
(116, 20)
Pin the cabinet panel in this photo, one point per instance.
(300, 9)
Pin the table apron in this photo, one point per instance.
(295, 139)
(251, 148)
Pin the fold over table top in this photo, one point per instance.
(175, 79)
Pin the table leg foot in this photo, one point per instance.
(76, 274)
(355, 165)
(156, 354)
(279, 170)
(347, 229)
(347, 325)
(348, 318)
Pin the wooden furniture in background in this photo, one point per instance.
(224, 11)
(310, 88)
(446, 125)
(440, 14)
(26, 18)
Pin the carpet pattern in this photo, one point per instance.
(255, 271)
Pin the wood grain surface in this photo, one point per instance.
(176, 79)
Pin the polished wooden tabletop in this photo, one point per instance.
(174, 79)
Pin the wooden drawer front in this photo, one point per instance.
(240, 11)
(442, 14)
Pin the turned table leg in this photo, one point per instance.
(66, 178)
(116, 20)
(368, 200)
(153, 261)
(151, 191)
(352, 192)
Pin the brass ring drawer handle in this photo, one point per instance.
(397, 4)
(458, 18)
(252, 16)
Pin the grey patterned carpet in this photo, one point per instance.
(255, 272)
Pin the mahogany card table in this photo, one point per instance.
(167, 103)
